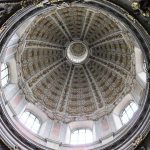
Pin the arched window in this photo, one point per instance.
(4, 74)
(81, 136)
(144, 65)
(128, 112)
(30, 121)
(142, 74)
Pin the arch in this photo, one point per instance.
(73, 126)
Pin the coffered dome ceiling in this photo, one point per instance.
(76, 62)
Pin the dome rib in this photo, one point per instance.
(51, 86)
(116, 36)
(46, 72)
(104, 86)
(73, 18)
(50, 28)
(32, 79)
(96, 93)
(61, 24)
(88, 19)
(116, 69)
(79, 94)
(108, 38)
(64, 102)
(42, 44)
(65, 91)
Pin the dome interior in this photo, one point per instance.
(77, 89)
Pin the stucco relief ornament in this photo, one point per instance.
(2, 28)
(17, 148)
(137, 141)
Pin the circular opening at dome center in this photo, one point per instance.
(77, 52)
